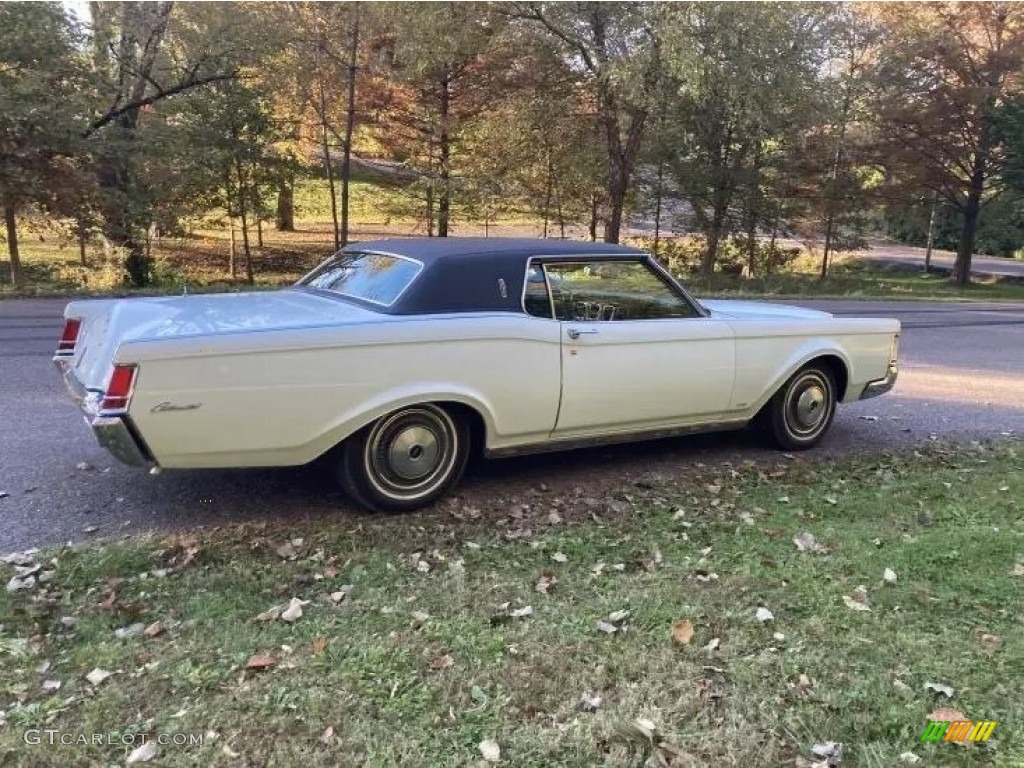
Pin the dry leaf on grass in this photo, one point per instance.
(260, 661)
(990, 641)
(682, 631)
(590, 703)
(763, 615)
(560, 557)
(271, 614)
(97, 676)
(853, 605)
(805, 542)
(442, 662)
(1018, 569)
(143, 753)
(490, 750)
(286, 551)
(328, 735)
(522, 613)
(294, 610)
(319, 645)
(712, 645)
(889, 576)
(945, 690)
(154, 629)
(51, 686)
(546, 583)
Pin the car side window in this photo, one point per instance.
(605, 291)
(536, 300)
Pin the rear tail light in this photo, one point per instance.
(119, 389)
(69, 337)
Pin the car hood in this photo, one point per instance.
(755, 310)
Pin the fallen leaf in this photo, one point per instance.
(546, 583)
(682, 631)
(606, 627)
(522, 613)
(337, 597)
(805, 542)
(762, 614)
(286, 551)
(830, 751)
(990, 641)
(420, 617)
(712, 645)
(560, 557)
(154, 629)
(442, 662)
(909, 758)
(589, 703)
(330, 572)
(271, 614)
(490, 750)
(946, 690)
(328, 735)
(260, 661)
(294, 610)
(229, 751)
(97, 676)
(143, 753)
(319, 645)
(889, 576)
(51, 686)
(617, 617)
(855, 605)
(130, 631)
(1018, 569)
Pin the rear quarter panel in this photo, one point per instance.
(285, 397)
(768, 352)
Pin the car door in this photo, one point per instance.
(636, 353)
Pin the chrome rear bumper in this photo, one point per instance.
(881, 386)
(114, 433)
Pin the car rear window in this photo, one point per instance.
(374, 277)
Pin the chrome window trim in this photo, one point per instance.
(370, 252)
(649, 261)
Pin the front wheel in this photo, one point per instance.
(800, 413)
(404, 460)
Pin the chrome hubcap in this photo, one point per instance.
(414, 452)
(810, 406)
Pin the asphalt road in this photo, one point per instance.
(962, 378)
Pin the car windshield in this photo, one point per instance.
(373, 277)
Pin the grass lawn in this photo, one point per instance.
(416, 646)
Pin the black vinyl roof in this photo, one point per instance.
(476, 274)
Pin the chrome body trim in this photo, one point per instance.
(881, 386)
(573, 443)
(112, 432)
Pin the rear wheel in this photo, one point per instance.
(800, 413)
(404, 460)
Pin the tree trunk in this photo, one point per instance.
(829, 228)
(618, 186)
(594, 203)
(972, 213)
(82, 232)
(243, 214)
(658, 193)
(444, 200)
(547, 194)
(430, 209)
(350, 123)
(11, 222)
(232, 254)
(285, 221)
(259, 231)
(326, 149)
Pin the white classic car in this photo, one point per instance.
(393, 360)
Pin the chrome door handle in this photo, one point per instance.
(575, 333)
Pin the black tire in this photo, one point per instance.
(800, 413)
(405, 460)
